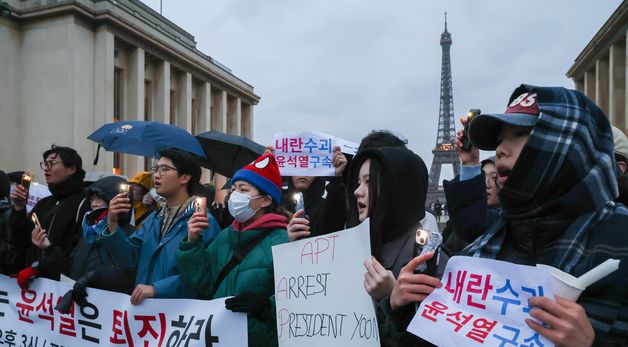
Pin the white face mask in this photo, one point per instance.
(239, 206)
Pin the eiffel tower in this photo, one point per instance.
(444, 152)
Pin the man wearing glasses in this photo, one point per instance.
(472, 198)
(152, 248)
(45, 251)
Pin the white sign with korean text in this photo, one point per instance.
(319, 291)
(36, 192)
(28, 318)
(304, 153)
(482, 302)
(347, 147)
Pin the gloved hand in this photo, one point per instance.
(79, 292)
(25, 276)
(65, 304)
(253, 303)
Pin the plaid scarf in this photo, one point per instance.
(566, 171)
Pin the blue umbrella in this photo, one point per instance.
(144, 138)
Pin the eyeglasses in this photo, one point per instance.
(161, 169)
(48, 164)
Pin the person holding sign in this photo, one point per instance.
(389, 186)
(558, 187)
(239, 262)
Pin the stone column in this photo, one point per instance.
(235, 116)
(579, 83)
(601, 83)
(184, 113)
(589, 84)
(135, 83)
(205, 105)
(617, 84)
(246, 126)
(161, 111)
(219, 115)
(135, 103)
(104, 49)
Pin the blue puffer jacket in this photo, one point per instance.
(155, 257)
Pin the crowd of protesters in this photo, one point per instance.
(553, 192)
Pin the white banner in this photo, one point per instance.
(319, 291)
(304, 153)
(28, 318)
(482, 302)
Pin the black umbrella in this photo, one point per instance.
(227, 153)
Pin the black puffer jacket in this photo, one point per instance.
(61, 215)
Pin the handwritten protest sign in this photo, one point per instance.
(28, 318)
(319, 291)
(482, 302)
(304, 154)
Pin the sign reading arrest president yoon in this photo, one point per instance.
(319, 291)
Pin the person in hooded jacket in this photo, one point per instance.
(389, 186)
(91, 264)
(89, 254)
(141, 183)
(557, 195)
(46, 251)
(239, 262)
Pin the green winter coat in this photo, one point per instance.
(200, 267)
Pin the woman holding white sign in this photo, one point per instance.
(239, 262)
(389, 186)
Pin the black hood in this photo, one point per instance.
(400, 204)
(106, 187)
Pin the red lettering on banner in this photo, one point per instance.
(25, 308)
(120, 321)
(148, 329)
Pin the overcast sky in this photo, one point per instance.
(345, 67)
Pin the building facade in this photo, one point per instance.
(69, 67)
(600, 71)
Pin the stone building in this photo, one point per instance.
(68, 67)
(600, 71)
